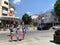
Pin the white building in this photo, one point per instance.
(7, 13)
(48, 17)
(34, 16)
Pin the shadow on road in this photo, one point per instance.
(54, 42)
(15, 40)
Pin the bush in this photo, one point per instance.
(34, 24)
(1, 26)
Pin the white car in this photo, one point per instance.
(56, 27)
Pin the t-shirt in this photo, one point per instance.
(11, 27)
(17, 32)
(23, 26)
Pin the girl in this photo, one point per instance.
(11, 36)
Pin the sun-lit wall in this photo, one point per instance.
(6, 9)
(0, 7)
(5, 3)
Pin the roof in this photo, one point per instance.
(9, 18)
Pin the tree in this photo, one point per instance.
(26, 18)
(57, 7)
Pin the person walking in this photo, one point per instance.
(17, 33)
(11, 36)
(11, 26)
(23, 30)
(26, 27)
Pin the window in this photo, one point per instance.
(5, 2)
(4, 11)
(4, 14)
(4, 8)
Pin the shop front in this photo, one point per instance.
(7, 20)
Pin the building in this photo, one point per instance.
(11, 10)
(7, 15)
(34, 17)
(4, 5)
(48, 17)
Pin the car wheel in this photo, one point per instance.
(38, 29)
(53, 28)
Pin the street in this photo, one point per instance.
(36, 37)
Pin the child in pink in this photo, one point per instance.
(11, 36)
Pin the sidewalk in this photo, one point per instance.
(6, 31)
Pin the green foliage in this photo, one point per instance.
(57, 7)
(34, 24)
(1, 26)
(26, 18)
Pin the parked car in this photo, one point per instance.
(56, 36)
(42, 27)
(56, 27)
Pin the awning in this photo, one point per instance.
(9, 18)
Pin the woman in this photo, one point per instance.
(23, 29)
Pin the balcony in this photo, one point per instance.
(5, 3)
(4, 12)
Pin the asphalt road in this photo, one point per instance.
(33, 37)
(40, 34)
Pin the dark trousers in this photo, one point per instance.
(11, 31)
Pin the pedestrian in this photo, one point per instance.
(23, 30)
(21, 35)
(11, 26)
(17, 33)
(26, 27)
(11, 36)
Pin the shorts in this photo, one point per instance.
(17, 35)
